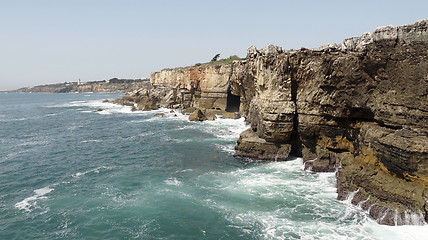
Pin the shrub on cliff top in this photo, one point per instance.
(228, 60)
(215, 58)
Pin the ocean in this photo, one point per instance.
(68, 171)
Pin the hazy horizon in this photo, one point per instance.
(49, 41)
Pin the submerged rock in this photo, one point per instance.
(210, 115)
(188, 110)
(232, 115)
(159, 115)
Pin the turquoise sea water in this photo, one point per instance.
(67, 172)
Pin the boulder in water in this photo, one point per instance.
(197, 115)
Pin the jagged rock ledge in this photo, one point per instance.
(359, 108)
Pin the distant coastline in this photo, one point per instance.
(111, 85)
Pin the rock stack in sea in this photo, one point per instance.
(359, 108)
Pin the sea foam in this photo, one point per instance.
(173, 182)
(290, 203)
(227, 129)
(30, 202)
(95, 170)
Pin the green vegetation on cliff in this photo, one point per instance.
(215, 60)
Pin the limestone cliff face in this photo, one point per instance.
(202, 87)
(359, 108)
(266, 87)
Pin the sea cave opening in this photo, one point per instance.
(233, 102)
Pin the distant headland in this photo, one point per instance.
(111, 85)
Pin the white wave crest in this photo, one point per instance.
(95, 170)
(173, 182)
(168, 115)
(91, 140)
(97, 106)
(288, 203)
(30, 202)
(228, 148)
(228, 129)
(405, 232)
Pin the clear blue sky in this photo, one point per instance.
(51, 41)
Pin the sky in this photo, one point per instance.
(55, 41)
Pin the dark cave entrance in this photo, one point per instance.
(233, 102)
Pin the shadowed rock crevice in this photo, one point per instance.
(233, 102)
(296, 144)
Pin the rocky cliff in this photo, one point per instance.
(359, 108)
(204, 90)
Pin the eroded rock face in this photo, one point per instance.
(359, 108)
(362, 109)
(407, 34)
(204, 87)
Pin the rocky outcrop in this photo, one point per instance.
(205, 91)
(408, 34)
(204, 87)
(197, 115)
(359, 108)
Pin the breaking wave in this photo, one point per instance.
(31, 202)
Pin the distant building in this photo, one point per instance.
(78, 82)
